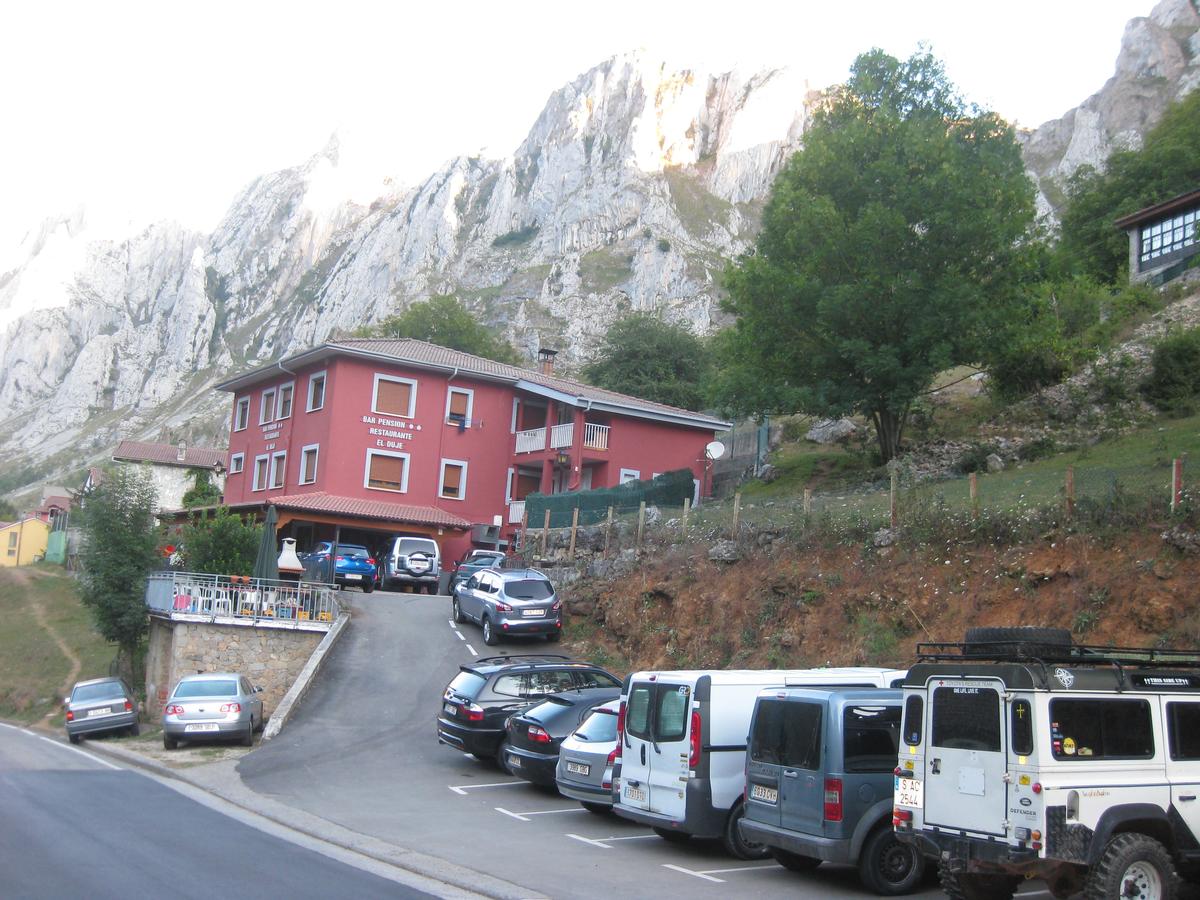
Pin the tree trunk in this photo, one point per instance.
(889, 429)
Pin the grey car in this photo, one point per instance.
(586, 758)
(213, 706)
(100, 705)
(509, 602)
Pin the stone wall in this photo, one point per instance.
(270, 657)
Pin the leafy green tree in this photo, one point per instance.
(891, 247)
(443, 320)
(1174, 380)
(645, 357)
(1166, 165)
(119, 551)
(202, 492)
(222, 543)
(8, 512)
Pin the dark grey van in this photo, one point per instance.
(819, 779)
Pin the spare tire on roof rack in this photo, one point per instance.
(1020, 642)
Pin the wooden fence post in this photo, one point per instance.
(687, 505)
(574, 531)
(807, 501)
(608, 531)
(641, 523)
(737, 513)
(1176, 482)
(973, 480)
(545, 531)
(895, 483)
(1070, 491)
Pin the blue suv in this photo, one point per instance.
(353, 563)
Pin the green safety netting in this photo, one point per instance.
(667, 489)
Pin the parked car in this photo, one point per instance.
(509, 602)
(473, 562)
(683, 747)
(353, 565)
(478, 700)
(411, 562)
(535, 735)
(586, 758)
(100, 705)
(819, 776)
(212, 707)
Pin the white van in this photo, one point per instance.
(682, 739)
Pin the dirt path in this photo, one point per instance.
(23, 577)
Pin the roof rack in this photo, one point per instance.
(519, 657)
(1035, 651)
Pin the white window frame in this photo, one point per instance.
(462, 484)
(291, 387)
(316, 451)
(324, 388)
(508, 485)
(264, 457)
(412, 397)
(266, 410)
(512, 429)
(636, 473)
(394, 453)
(278, 466)
(241, 413)
(470, 404)
(237, 463)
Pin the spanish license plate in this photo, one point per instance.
(202, 726)
(352, 576)
(764, 793)
(450, 709)
(533, 613)
(514, 761)
(636, 794)
(910, 792)
(100, 712)
(578, 769)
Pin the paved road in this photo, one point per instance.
(73, 825)
(362, 752)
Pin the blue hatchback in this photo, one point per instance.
(354, 565)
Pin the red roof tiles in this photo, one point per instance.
(369, 509)
(168, 454)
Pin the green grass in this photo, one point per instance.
(32, 667)
(605, 268)
(799, 463)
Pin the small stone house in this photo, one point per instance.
(173, 467)
(1162, 238)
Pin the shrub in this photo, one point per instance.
(1174, 379)
(663, 245)
(223, 543)
(516, 236)
(975, 459)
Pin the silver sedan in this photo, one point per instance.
(212, 706)
(585, 760)
(99, 705)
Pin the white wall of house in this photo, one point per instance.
(172, 482)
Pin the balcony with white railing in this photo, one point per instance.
(595, 437)
(531, 441)
(562, 436)
(235, 600)
(516, 512)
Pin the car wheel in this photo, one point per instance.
(169, 743)
(888, 866)
(248, 737)
(432, 588)
(964, 886)
(458, 616)
(794, 862)
(74, 738)
(489, 633)
(1132, 865)
(368, 586)
(735, 844)
(673, 837)
(553, 637)
(135, 729)
(600, 809)
(502, 757)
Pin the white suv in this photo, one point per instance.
(411, 561)
(1022, 756)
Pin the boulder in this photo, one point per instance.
(829, 431)
(768, 473)
(724, 551)
(885, 537)
(994, 463)
(1182, 539)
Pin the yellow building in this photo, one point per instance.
(22, 542)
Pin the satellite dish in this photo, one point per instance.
(714, 450)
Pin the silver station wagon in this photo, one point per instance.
(216, 706)
(509, 602)
(100, 705)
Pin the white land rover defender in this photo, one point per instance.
(1023, 756)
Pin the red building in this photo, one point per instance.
(360, 438)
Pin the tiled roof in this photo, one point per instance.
(370, 509)
(168, 454)
(1182, 201)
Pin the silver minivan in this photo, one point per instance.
(508, 602)
(819, 776)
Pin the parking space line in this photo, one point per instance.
(474, 652)
(450, 622)
(690, 872)
(461, 636)
(462, 789)
(602, 842)
(769, 865)
(540, 812)
(501, 809)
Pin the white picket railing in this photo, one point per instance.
(531, 441)
(595, 437)
(561, 435)
(516, 512)
(234, 600)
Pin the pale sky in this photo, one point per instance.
(166, 109)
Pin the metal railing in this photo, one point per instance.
(531, 441)
(562, 435)
(516, 512)
(241, 600)
(595, 437)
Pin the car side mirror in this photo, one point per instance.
(66, 701)
(258, 689)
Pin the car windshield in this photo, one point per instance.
(600, 725)
(207, 688)
(416, 546)
(486, 559)
(352, 552)
(529, 589)
(107, 690)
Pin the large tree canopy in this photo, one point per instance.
(444, 321)
(890, 246)
(645, 357)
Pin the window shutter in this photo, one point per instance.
(458, 404)
(393, 397)
(386, 472)
(452, 480)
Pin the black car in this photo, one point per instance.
(487, 691)
(535, 735)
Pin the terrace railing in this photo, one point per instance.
(531, 441)
(237, 600)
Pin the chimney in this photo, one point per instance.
(181, 451)
(546, 360)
